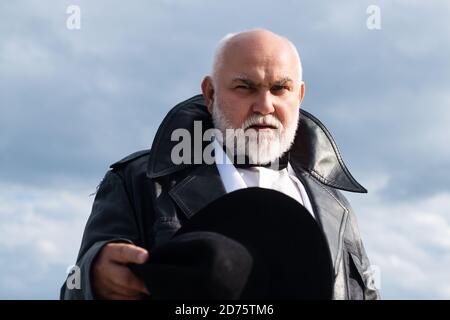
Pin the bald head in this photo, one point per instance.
(258, 45)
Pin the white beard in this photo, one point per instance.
(260, 147)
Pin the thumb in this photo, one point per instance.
(128, 253)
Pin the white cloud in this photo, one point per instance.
(40, 232)
(409, 240)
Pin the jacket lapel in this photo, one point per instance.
(202, 186)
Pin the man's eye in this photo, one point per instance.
(279, 88)
(243, 87)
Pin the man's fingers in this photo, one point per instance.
(125, 282)
(112, 276)
(125, 253)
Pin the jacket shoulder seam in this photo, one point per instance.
(129, 158)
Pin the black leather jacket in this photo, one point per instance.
(145, 198)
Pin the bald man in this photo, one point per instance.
(255, 90)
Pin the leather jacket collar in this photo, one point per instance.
(314, 149)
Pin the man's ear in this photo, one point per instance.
(302, 92)
(208, 92)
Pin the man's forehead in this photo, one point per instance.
(259, 66)
(257, 78)
(259, 57)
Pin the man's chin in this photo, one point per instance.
(263, 133)
(265, 154)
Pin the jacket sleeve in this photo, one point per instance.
(112, 219)
(361, 274)
(369, 275)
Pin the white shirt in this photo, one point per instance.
(284, 180)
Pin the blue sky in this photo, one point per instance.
(74, 101)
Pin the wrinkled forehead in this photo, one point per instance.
(259, 61)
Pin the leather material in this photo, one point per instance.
(145, 199)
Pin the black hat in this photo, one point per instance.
(252, 243)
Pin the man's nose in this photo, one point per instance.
(264, 104)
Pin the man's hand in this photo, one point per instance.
(112, 279)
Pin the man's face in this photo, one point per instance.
(252, 84)
(259, 81)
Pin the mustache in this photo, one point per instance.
(267, 120)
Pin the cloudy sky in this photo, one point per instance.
(74, 101)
